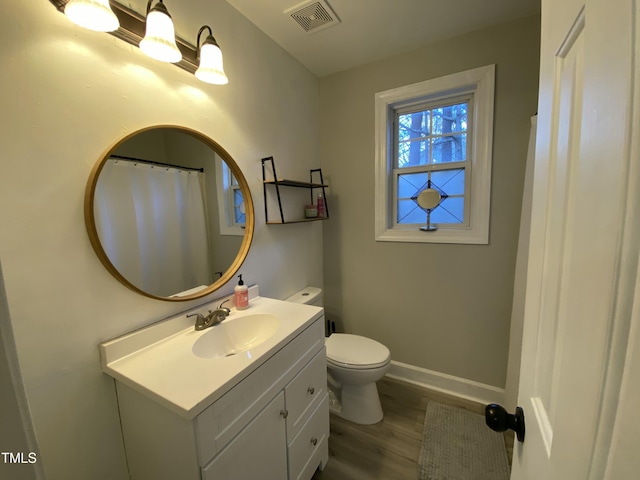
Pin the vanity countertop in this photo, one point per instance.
(158, 360)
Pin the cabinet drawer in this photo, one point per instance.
(226, 417)
(304, 393)
(310, 447)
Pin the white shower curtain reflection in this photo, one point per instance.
(151, 223)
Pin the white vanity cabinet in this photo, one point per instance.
(272, 424)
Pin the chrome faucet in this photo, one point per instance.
(225, 309)
(213, 318)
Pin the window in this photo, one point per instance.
(435, 135)
(237, 201)
(230, 201)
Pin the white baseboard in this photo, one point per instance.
(444, 383)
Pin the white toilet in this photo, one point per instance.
(354, 365)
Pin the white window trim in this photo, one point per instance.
(480, 82)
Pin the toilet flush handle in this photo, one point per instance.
(311, 390)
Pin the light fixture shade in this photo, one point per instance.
(211, 69)
(92, 14)
(159, 41)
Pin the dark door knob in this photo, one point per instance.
(499, 420)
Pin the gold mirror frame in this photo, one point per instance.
(249, 213)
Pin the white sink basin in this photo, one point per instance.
(187, 370)
(236, 335)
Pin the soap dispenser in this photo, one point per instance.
(241, 295)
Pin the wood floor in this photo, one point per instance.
(388, 450)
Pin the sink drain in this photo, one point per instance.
(231, 354)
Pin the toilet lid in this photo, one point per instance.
(355, 351)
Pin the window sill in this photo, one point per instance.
(236, 231)
(442, 235)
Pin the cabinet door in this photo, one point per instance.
(259, 451)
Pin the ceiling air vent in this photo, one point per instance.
(313, 16)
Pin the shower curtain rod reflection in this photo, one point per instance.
(151, 162)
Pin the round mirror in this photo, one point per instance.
(169, 213)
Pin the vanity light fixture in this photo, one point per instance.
(159, 41)
(142, 32)
(210, 69)
(92, 14)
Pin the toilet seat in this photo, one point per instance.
(356, 352)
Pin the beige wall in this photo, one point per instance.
(441, 307)
(67, 95)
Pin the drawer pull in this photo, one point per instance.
(311, 390)
(284, 413)
(314, 441)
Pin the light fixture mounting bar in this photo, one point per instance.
(132, 29)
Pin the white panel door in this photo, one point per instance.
(583, 255)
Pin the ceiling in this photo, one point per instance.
(369, 30)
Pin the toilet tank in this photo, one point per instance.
(308, 296)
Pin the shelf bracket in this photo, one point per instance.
(264, 189)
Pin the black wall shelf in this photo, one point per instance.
(282, 182)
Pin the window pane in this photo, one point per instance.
(452, 148)
(410, 183)
(450, 181)
(413, 125)
(412, 154)
(238, 207)
(409, 212)
(452, 118)
(442, 216)
(451, 210)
